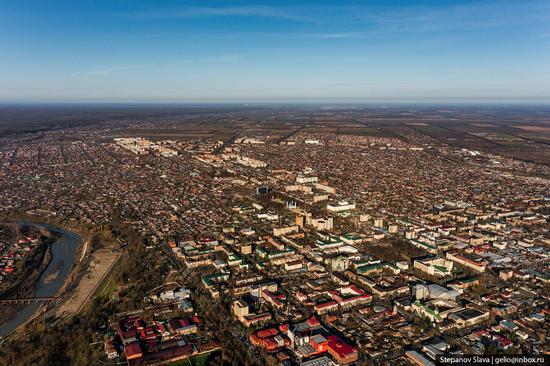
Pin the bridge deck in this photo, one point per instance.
(27, 300)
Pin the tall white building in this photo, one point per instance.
(340, 206)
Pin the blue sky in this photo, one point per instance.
(246, 51)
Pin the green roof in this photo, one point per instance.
(428, 310)
(368, 268)
(441, 268)
(351, 236)
(202, 252)
(233, 257)
(330, 241)
(209, 280)
(421, 243)
(281, 252)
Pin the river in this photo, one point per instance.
(64, 251)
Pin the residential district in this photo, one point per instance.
(320, 248)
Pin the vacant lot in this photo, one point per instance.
(533, 128)
(417, 124)
(101, 262)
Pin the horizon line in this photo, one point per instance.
(296, 101)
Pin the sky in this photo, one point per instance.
(274, 51)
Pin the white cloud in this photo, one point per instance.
(242, 11)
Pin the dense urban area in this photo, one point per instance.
(280, 235)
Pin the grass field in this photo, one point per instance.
(106, 288)
(202, 360)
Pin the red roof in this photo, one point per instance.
(504, 342)
(254, 339)
(132, 349)
(270, 344)
(160, 328)
(264, 333)
(481, 332)
(147, 333)
(312, 321)
(184, 323)
(340, 347)
(357, 290)
(325, 304)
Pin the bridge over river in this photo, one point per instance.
(26, 300)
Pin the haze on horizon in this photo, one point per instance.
(276, 51)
